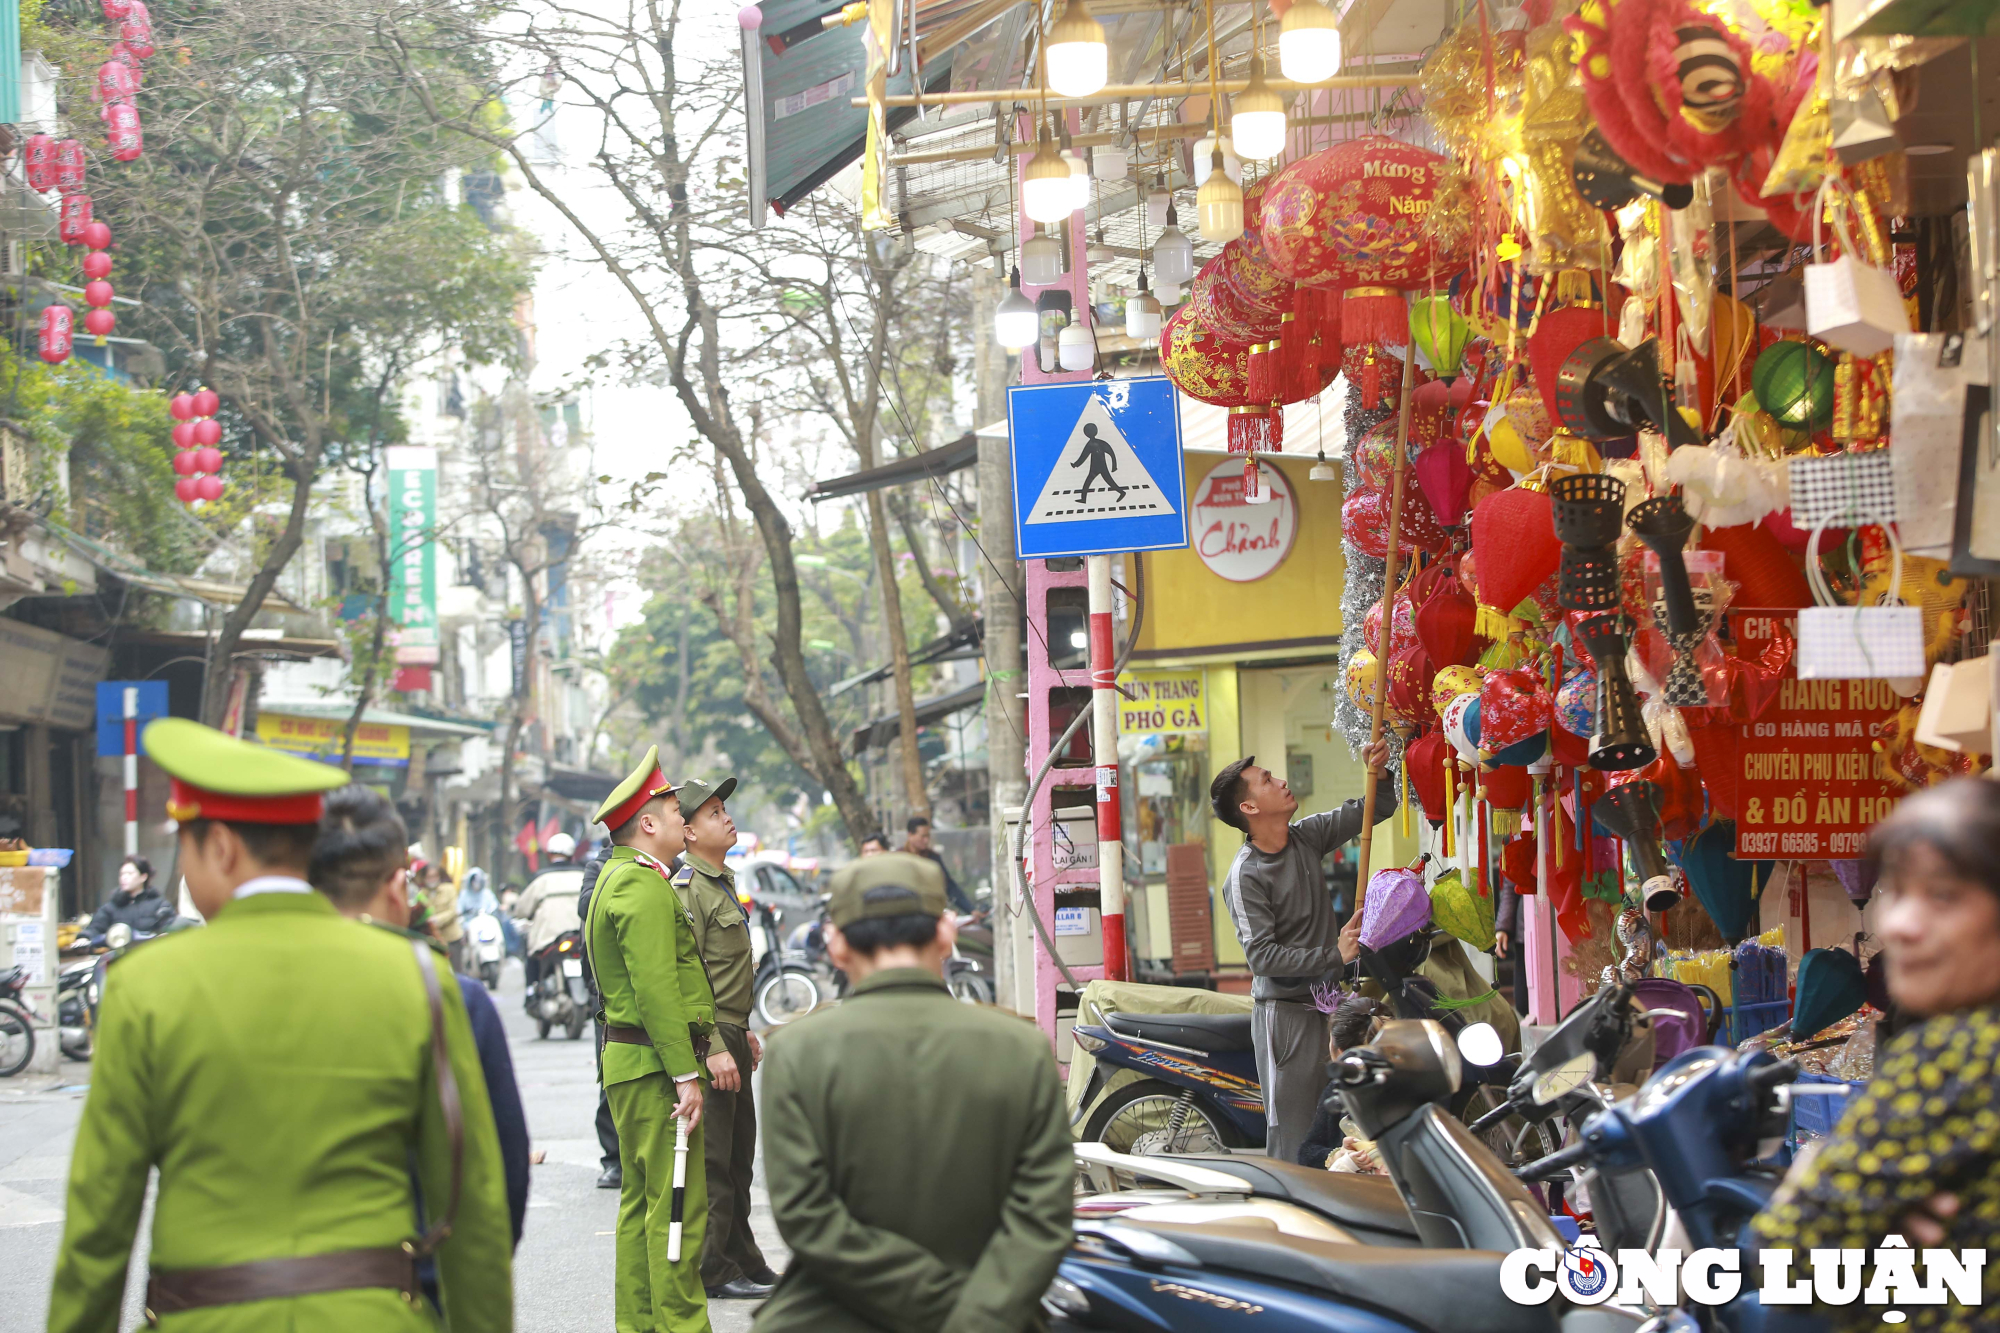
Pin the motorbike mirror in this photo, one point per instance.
(1480, 1044)
(118, 936)
(1565, 1078)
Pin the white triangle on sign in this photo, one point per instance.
(1097, 475)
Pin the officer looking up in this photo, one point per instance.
(281, 1068)
(916, 1149)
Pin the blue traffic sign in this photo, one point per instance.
(152, 703)
(1097, 468)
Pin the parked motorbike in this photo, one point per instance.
(562, 992)
(17, 1022)
(784, 984)
(487, 947)
(1198, 1090)
(80, 984)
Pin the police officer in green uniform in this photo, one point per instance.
(732, 1267)
(657, 1017)
(916, 1148)
(279, 1068)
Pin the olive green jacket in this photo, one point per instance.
(276, 1068)
(649, 973)
(919, 1164)
(721, 933)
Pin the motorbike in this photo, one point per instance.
(562, 992)
(784, 984)
(17, 1022)
(486, 947)
(80, 984)
(1197, 1091)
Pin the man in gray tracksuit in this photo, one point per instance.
(1284, 919)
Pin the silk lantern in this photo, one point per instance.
(1793, 381)
(73, 218)
(1726, 887)
(1410, 674)
(1364, 521)
(57, 330)
(38, 159)
(1202, 363)
(137, 35)
(185, 490)
(1459, 721)
(1513, 706)
(184, 463)
(1558, 333)
(1451, 682)
(1757, 561)
(1360, 680)
(1445, 622)
(1830, 987)
(99, 322)
(122, 134)
(115, 82)
(1514, 542)
(206, 402)
(1440, 334)
(96, 263)
(1576, 703)
(1424, 760)
(209, 487)
(1446, 481)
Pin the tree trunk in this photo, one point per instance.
(915, 797)
(215, 687)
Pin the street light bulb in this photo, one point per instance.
(1309, 43)
(1041, 258)
(1142, 313)
(1079, 63)
(1220, 205)
(1075, 349)
(1015, 322)
(1045, 187)
(1173, 254)
(1257, 117)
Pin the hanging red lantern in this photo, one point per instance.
(1558, 333)
(99, 323)
(97, 236)
(209, 487)
(206, 404)
(184, 463)
(1215, 303)
(97, 294)
(181, 407)
(185, 492)
(58, 327)
(125, 55)
(1201, 362)
(208, 431)
(208, 459)
(117, 11)
(136, 35)
(73, 218)
(115, 82)
(122, 133)
(1445, 623)
(1364, 521)
(96, 263)
(1514, 542)
(69, 166)
(38, 157)
(183, 433)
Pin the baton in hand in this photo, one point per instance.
(680, 1191)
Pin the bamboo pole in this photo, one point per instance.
(1367, 839)
(1132, 92)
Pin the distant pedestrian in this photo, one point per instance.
(917, 842)
(916, 1149)
(136, 904)
(873, 845)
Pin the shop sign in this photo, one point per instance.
(50, 677)
(1239, 541)
(413, 584)
(324, 738)
(1811, 784)
(1155, 703)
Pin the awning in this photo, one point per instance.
(961, 645)
(882, 730)
(962, 452)
(252, 643)
(190, 586)
(418, 724)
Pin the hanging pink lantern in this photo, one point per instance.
(121, 132)
(185, 492)
(96, 263)
(115, 82)
(207, 402)
(58, 327)
(209, 487)
(73, 218)
(136, 36)
(38, 156)
(184, 463)
(69, 166)
(208, 460)
(184, 433)
(181, 407)
(208, 431)
(97, 294)
(97, 236)
(117, 11)
(99, 323)
(127, 57)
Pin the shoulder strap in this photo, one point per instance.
(447, 1090)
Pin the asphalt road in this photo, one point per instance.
(562, 1271)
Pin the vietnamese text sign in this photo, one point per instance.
(1237, 540)
(49, 677)
(1097, 468)
(324, 738)
(1811, 784)
(1154, 703)
(413, 553)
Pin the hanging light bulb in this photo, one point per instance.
(1204, 158)
(1015, 322)
(1078, 61)
(1142, 313)
(1075, 349)
(1324, 470)
(1157, 203)
(1108, 162)
(1173, 254)
(1045, 188)
(1079, 181)
(1041, 258)
(1257, 117)
(1309, 43)
(1219, 204)
(1169, 293)
(1099, 252)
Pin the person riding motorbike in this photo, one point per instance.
(549, 906)
(136, 904)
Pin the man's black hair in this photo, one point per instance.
(625, 832)
(876, 837)
(916, 822)
(1225, 794)
(289, 846)
(362, 841)
(873, 934)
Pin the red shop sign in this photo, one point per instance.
(1810, 783)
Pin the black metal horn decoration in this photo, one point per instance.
(1636, 392)
(1621, 741)
(1632, 812)
(1663, 523)
(1607, 180)
(1588, 508)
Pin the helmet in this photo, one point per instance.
(561, 845)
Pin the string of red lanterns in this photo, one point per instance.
(197, 434)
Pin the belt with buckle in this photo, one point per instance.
(170, 1292)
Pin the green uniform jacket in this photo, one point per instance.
(648, 970)
(276, 1068)
(919, 1164)
(721, 933)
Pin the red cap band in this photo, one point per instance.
(634, 803)
(187, 801)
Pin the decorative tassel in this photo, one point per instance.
(1450, 804)
(1275, 429)
(1260, 385)
(1371, 381)
(1250, 430)
(1253, 481)
(1298, 360)
(1403, 795)
(1505, 823)
(1489, 623)
(1374, 315)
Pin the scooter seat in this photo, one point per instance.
(1357, 1202)
(1446, 1291)
(1208, 1033)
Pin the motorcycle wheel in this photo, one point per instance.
(17, 1041)
(786, 995)
(490, 974)
(573, 1027)
(971, 988)
(1138, 1118)
(1514, 1140)
(542, 1028)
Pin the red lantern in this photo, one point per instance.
(1445, 622)
(1513, 705)
(184, 463)
(136, 36)
(38, 157)
(185, 492)
(97, 236)
(115, 82)
(1201, 362)
(73, 218)
(117, 11)
(121, 132)
(183, 433)
(97, 294)
(209, 487)
(181, 407)
(69, 166)
(58, 326)
(99, 322)
(1410, 676)
(96, 263)
(1352, 216)
(1364, 521)
(208, 459)
(206, 404)
(1514, 542)
(1216, 305)
(208, 431)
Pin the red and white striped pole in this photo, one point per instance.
(1104, 748)
(131, 770)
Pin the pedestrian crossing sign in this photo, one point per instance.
(1097, 468)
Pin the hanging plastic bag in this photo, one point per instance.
(1849, 642)
(1850, 303)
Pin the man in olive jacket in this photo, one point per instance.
(916, 1148)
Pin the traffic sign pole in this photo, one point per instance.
(1104, 748)
(131, 770)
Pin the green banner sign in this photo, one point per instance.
(413, 584)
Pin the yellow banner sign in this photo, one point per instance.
(1162, 702)
(324, 738)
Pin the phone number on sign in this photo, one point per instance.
(1846, 843)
